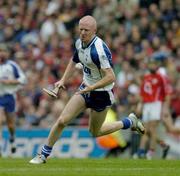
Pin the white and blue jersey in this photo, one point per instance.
(94, 57)
(9, 71)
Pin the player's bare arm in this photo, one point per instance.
(68, 72)
(61, 83)
(106, 80)
(10, 82)
(139, 106)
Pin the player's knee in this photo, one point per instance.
(61, 122)
(11, 125)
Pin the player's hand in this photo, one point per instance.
(60, 84)
(6, 81)
(85, 90)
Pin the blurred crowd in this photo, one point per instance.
(40, 35)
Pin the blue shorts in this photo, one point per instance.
(7, 102)
(98, 100)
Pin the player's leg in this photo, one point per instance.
(11, 124)
(73, 108)
(143, 143)
(153, 138)
(168, 122)
(144, 139)
(155, 117)
(165, 147)
(99, 102)
(10, 116)
(96, 120)
(98, 128)
(1, 123)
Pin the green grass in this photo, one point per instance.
(90, 167)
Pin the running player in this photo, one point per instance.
(95, 91)
(11, 80)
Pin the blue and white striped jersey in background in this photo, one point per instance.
(11, 70)
(93, 57)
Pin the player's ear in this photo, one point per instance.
(95, 29)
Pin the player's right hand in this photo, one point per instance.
(60, 84)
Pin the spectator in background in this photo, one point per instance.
(12, 79)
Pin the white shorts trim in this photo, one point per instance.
(151, 111)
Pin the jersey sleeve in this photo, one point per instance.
(75, 57)
(18, 73)
(103, 55)
(106, 57)
(104, 62)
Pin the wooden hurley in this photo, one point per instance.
(53, 93)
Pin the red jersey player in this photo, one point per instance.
(154, 92)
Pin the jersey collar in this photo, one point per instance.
(90, 43)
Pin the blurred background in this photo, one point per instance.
(40, 35)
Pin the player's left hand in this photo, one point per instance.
(7, 81)
(4, 81)
(85, 90)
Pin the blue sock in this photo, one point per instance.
(141, 152)
(127, 123)
(46, 150)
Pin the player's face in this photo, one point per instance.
(86, 32)
(153, 67)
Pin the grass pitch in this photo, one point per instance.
(90, 167)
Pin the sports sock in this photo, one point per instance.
(127, 123)
(46, 150)
(12, 144)
(12, 139)
(141, 152)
